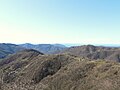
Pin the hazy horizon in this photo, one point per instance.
(69, 44)
(60, 21)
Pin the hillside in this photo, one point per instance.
(6, 49)
(95, 52)
(32, 70)
(45, 48)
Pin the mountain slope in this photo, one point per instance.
(32, 70)
(6, 49)
(95, 52)
(45, 48)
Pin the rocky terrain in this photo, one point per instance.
(95, 52)
(32, 70)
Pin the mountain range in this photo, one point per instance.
(32, 70)
(45, 48)
(7, 48)
(95, 52)
(84, 67)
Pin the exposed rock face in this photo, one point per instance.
(95, 52)
(32, 70)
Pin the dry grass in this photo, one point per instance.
(33, 71)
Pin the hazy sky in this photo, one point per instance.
(60, 21)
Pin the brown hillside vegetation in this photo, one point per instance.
(95, 52)
(31, 70)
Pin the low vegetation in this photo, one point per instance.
(32, 70)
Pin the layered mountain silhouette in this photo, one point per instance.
(84, 67)
(95, 52)
(45, 48)
(6, 49)
(32, 70)
(88, 51)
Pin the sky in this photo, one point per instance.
(60, 21)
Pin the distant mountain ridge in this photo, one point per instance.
(7, 48)
(45, 48)
(95, 52)
(89, 51)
